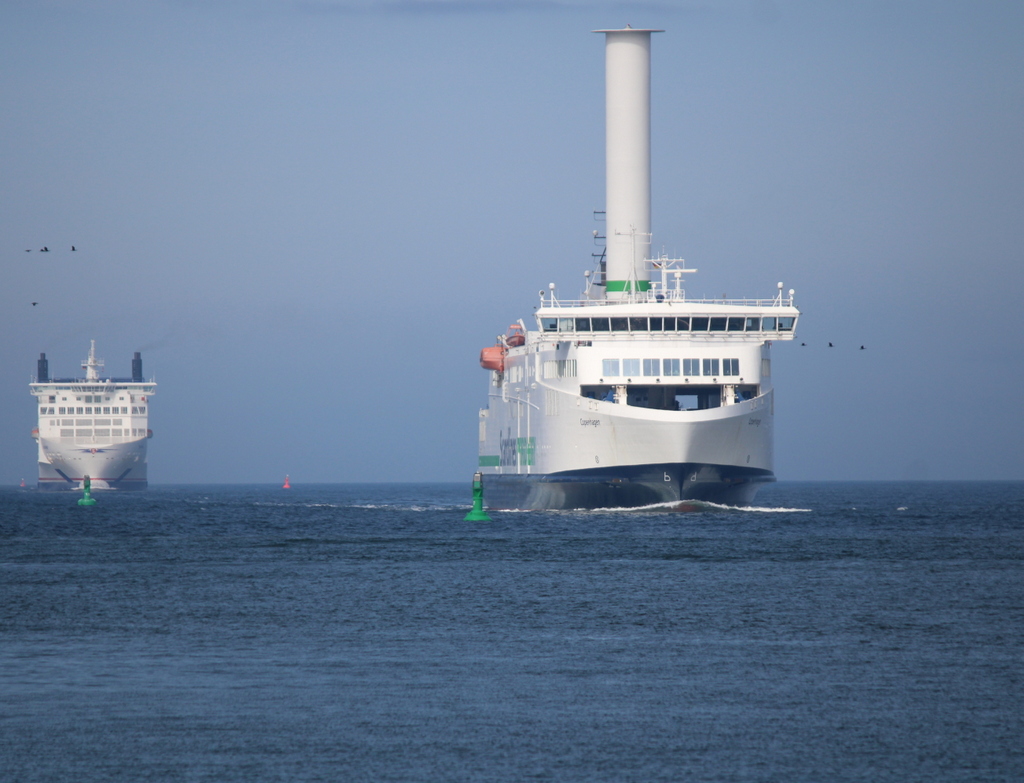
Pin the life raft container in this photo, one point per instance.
(493, 358)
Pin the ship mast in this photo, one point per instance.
(92, 364)
(627, 160)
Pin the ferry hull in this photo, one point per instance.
(120, 466)
(666, 484)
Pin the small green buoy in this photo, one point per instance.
(477, 513)
(87, 498)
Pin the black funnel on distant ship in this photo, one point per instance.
(42, 369)
(137, 368)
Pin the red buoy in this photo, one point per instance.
(287, 485)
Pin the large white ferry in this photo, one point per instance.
(93, 426)
(635, 394)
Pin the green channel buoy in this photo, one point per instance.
(87, 498)
(477, 513)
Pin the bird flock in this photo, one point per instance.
(830, 345)
(46, 249)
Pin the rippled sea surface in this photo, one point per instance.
(838, 632)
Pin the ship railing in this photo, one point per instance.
(89, 381)
(673, 296)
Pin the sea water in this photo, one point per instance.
(835, 632)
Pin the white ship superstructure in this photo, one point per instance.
(92, 426)
(634, 394)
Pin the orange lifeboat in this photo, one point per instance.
(493, 358)
(515, 337)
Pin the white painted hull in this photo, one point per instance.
(120, 466)
(592, 453)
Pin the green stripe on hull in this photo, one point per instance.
(490, 462)
(628, 285)
(526, 449)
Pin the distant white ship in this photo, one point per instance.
(93, 426)
(635, 394)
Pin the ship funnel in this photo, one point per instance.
(627, 159)
(42, 369)
(137, 368)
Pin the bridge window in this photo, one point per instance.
(610, 368)
(718, 324)
(730, 366)
(630, 367)
(753, 324)
(670, 366)
(691, 366)
(638, 324)
(652, 367)
(699, 324)
(599, 324)
(711, 367)
(736, 324)
(620, 324)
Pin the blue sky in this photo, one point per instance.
(310, 217)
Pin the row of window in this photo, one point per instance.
(89, 411)
(560, 368)
(731, 323)
(104, 433)
(93, 398)
(107, 389)
(86, 422)
(614, 368)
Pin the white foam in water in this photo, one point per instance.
(704, 505)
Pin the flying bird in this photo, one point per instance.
(830, 345)
(34, 304)
(862, 347)
(72, 248)
(804, 344)
(44, 249)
